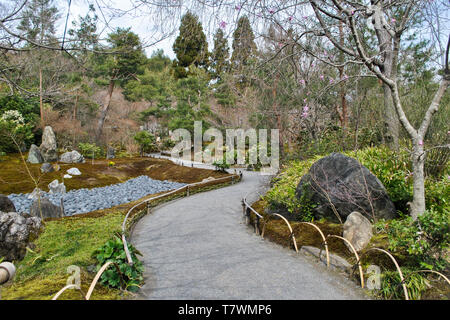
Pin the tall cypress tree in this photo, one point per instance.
(190, 47)
(220, 54)
(244, 46)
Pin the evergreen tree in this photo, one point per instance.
(220, 54)
(190, 46)
(38, 21)
(84, 32)
(244, 46)
(38, 25)
(121, 66)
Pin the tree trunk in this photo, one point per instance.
(104, 111)
(417, 206)
(391, 123)
(41, 104)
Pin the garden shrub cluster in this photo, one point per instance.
(130, 277)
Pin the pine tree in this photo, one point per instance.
(38, 25)
(121, 66)
(38, 21)
(220, 55)
(190, 46)
(244, 46)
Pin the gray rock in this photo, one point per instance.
(47, 167)
(35, 194)
(49, 210)
(343, 183)
(56, 187)
(357, 230)
(74, 172)
(6, 205)
(335, 261)
(48, 145)
(110, 153)
(71, 157)
(16, 232)
(34, 155)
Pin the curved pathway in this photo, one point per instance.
(199, 248)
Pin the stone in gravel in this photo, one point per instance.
(71, 157)
(6, 205)
(67, 176)
(74, 172)
(357, 230)
(56, 187)
(34, 195)
(48, 145)
(34, 155)
(49, 210)
(16, 232)
(47, 167)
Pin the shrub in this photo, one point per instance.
(391, 287)
(426, 240)
(90, 150)
(146, 141)
(221, 165)
(13, 126)
(130, 276)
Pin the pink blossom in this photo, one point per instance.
(420, 143)
(305, 114)
(237, 7)
(345, 77)
(302, 81)
(305, 108)
(321, 77)
(353, 12)
(290, 18)
(304, 100)
(272, 11)
(305, 17)
(222, 24)
(280, 44)
(331, 81)
(393, 20)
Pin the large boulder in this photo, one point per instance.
(71, 157)
(16, 232)
(34, 155)
(357, 230)
(49, 210)
(338, 185)
(56, 187)
(6, 205)
(48, 145)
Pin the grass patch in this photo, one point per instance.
(64, 242)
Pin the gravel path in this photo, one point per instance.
(87, 200)
(199, 248)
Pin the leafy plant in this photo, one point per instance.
(391, 287)
(130, 276)
(146, 141)
(90, 150)
(426, 240)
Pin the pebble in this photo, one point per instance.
(86, 200)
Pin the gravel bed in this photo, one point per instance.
(87, 200)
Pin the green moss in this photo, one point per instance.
(14, 177)
(64, 242)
